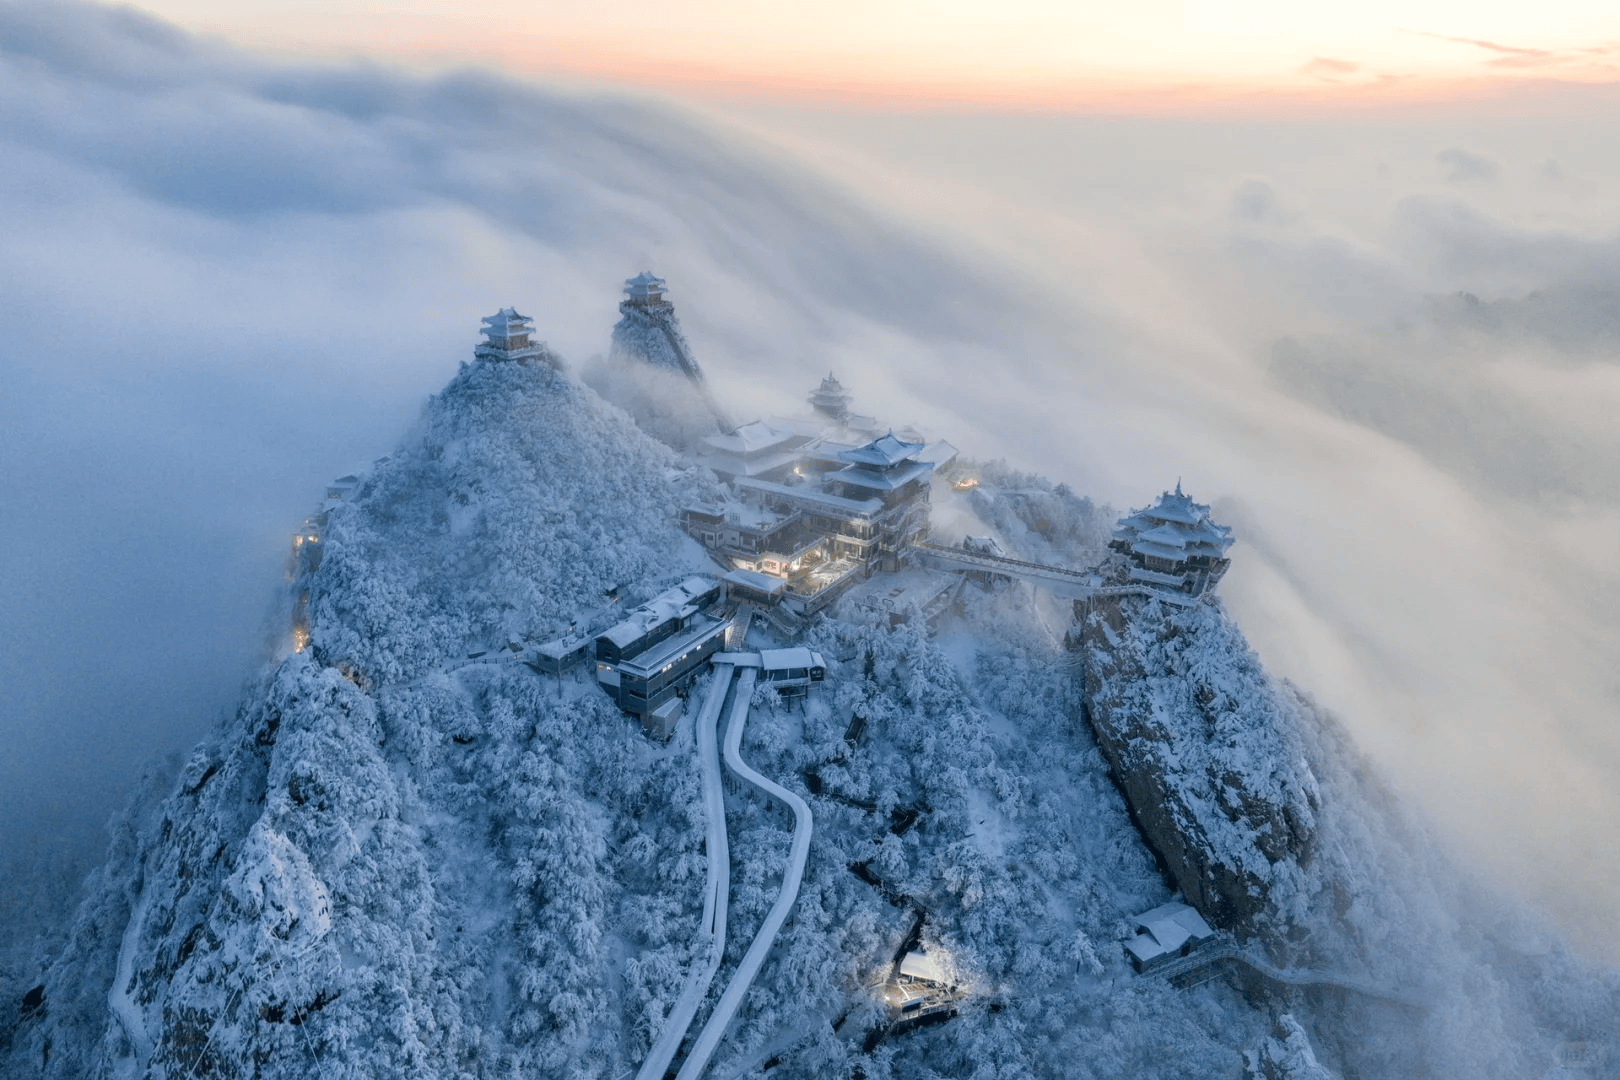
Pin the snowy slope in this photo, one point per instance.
(393, 858)
(396, 860)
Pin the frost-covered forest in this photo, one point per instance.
(401, 859)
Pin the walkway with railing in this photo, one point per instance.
(1203, 964)
(1061, 581)
(741, 667)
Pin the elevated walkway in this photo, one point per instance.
(1205, 964)
(712, 928)
(697, 1060)
(1061, 581)
(743, 669)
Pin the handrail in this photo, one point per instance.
(993, 561)
(1227, 949)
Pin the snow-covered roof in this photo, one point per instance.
(752, 579)
(1174, 528)
(863, 476)
(749, 439)
(830, 394)
(644, 286)
(920, 965)
(782, 659)
(506, 322)
(803, 496)
(669, 604)
(1167, 928)
(1166, 534)
(650, 660)
(558, 648)
(883, 451)
(858, 422)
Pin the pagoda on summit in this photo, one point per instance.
(649, 332)
(830, 399)
(1174, 545)
(646, 290)
(507, 336)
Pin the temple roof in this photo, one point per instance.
(830, 389)
(506, 322)
(749, 439)
(891, 479)
(644, 286)
(885, 452)
(1174, 527)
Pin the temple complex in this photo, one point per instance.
(1174, 545)
(808, 510)
(508, 336)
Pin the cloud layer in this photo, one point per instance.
(227, 280)
(1399, 388)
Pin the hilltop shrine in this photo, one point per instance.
(508, 336)
(1173, 544)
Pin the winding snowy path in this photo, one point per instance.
(698, 1059)
(716, 899)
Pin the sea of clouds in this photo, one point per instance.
(1385, 349)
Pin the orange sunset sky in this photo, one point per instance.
(950, 53)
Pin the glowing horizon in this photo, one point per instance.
(1018, 55)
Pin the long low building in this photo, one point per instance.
(649, 685)
(645, 661)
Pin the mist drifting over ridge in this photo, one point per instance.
(275, 263)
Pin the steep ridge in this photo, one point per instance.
(396, 864)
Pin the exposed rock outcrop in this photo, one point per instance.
(1203, 746)
(1287, 1055)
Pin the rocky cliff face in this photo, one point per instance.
(1206, 750)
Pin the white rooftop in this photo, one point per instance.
(668, 604)
(1174, 527)
(884, 451)
(505, 322)
(781, 659)
(645, 285)
(1165, 929)
(920, 965)
(749, 439)
(753, 579)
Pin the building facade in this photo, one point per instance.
(1173, 545)
(508, 336)
(646, 661)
